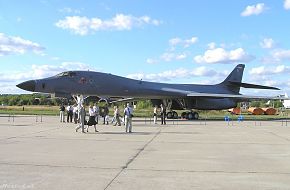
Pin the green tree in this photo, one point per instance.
(144, 104)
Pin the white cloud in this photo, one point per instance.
(69, 10)
(185, 43)
(176, 51)
(175, 41)
(220, 55)
(271, 76)
(151, 61)
(211, 45)
(281, 55)
(41, 71)
(169, 56)
(280, 69)
(9, 80)
(254, 9)
(180, 73)
(16, 45)
(258, 71)
(269, 60)
(190, 41)
(181, 56)
(84, 25)
(267, 43)
(277, 56)
(204, 71)
(287, 4)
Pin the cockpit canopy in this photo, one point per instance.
(66, 74)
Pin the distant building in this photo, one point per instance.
(286, 103)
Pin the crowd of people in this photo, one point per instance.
(78, 116)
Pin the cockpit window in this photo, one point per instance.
(66, 74)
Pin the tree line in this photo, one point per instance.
(42, 99)
(28, 99)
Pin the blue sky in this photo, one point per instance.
(165, 41)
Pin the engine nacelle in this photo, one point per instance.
(199, 103)
(210, 103)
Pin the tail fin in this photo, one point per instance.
(235, 77)
(234, 81)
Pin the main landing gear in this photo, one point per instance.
(172, 115)
(191, 115)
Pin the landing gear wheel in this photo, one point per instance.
(195, 115)
(183, 115)
(175, 115)
(169, 115)
(172, 115)
(192, 115)
(189, 116)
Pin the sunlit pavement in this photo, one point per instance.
(42, 153)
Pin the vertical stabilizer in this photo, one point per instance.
(235, 77)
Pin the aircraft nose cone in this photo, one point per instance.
(27, 85)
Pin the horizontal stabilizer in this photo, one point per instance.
(248, 85)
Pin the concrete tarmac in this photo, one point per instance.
(181, 155)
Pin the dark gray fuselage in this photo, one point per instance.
(108, 85)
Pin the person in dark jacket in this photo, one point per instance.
(163, 114)
(61, 113)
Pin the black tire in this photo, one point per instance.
(190, 116)
(195, 115)
(175, 115)
(183, 115)
(169, 115)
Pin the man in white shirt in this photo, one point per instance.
(82, 116)
(75, 114)
(69, 110)
(128, 114)
(97, 111)
(155, 114)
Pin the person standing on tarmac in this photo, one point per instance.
(106, 114)
(117, 116)
(69, 110)
(128, 114)
(82, 116)
(155, 114)
(97, 110)
(114, 116)
(163, 114)
(92, 119)
(75, 114)
(61, 113)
